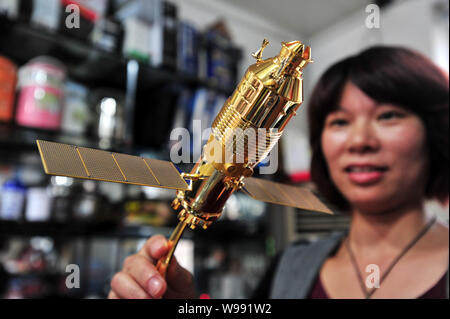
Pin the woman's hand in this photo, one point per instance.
(139, 278)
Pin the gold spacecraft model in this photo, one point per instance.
(265, 100)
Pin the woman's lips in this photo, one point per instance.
(363, 174)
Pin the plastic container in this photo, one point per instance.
(76, 114)
(8, 80)
(40, 101)
(38, 208)
(109, 124)
(12, 201)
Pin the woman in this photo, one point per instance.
(379, 137)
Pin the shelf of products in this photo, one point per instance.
(121, 229)
(23, 42)
(223, 231)
(97, 225)
(73, 230)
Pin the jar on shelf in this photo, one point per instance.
(109, 124)
(76, 114)
(41, 84)
(12, 198)
(8, 79)
(38, 204)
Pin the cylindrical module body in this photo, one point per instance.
(244, 132)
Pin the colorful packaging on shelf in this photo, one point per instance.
(170, 35)
(8, 79)
(107, 35)
(221, 59)
(46, 13)
(150, 212)
(143, 10)
(41, 94)
(136, 43)
(98, 7)
(156, 44)
(38, 207)
(188, 49)
(143, 31)
(109, 125)
(151, 29)
(12, 199)
(76, 114)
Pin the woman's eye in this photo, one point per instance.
(338, 122)
(390, 115)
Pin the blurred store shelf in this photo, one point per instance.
(22, 42)
(100, 246)
(68, 230)
(224, 231)
(23, 139)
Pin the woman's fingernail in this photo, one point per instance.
(155, 285)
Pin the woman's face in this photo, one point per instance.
(376, 153)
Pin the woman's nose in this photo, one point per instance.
(363, 138)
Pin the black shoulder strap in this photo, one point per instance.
(300, 265)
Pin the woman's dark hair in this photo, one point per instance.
(387, 75)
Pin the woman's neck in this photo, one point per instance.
(386, 232)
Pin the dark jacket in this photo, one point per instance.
(299, 266)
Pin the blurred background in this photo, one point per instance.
(120, 78)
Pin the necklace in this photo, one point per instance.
(369, 293)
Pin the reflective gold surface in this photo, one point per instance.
(276, 193)
(79, 162)
(265, 100)
(246, 129)
(243, 133)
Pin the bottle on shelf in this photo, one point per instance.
(109, 123)
(46, 13)
(8, 79)
(38, 203)
(76, 114)
(12, 198)
(41, 93)
(188, 41)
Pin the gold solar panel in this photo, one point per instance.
(80, 162)
(166, 174)
(101, 165)
(254, 189)
(135, 169)
(57, 158)
(276, 193)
